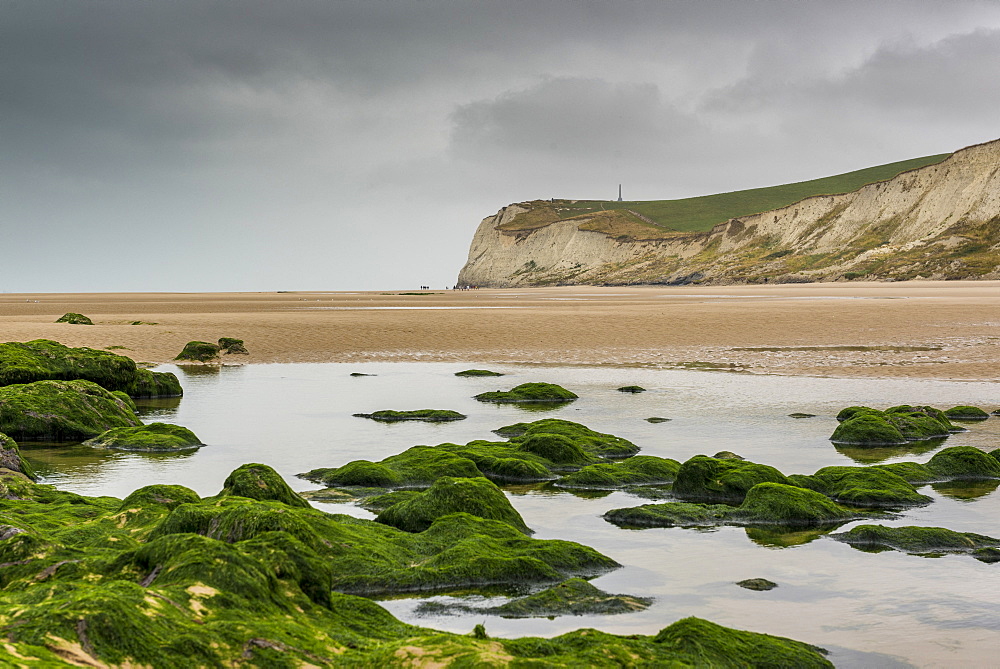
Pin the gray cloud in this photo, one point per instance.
(307, 143)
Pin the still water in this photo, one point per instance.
(887, 609)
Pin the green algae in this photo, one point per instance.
(764, 504)
(867, 429)
(632, 389)
(233, 346)
(966, 413)
(45, 360)
(260, 482)
(724, 480)
(154, 437)
(414, 467)
(199, 351)
(165, 579)
(596, 443)
(478, 372)
(478, 497)
(863, 487)
(963, 462)
(10, 458)
(637, 470)
(529, 393)
(62, 411)
(426, 415)
(864, 426)
(922, 541)
(74, 319)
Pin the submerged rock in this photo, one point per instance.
(62, 411)
(529, 393)
(476, 496)
(155, 437)
(199, 351)
(637, 470)
(657, 419)
(233, 346)
(426, 415)
(759, 584)
(75, 319)
(922, 541)
(45, 360)
(632, 389)
(478, 372)
(801, 415)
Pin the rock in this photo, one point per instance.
(866, 429)
(10, 458)
(199, 351)
(233, 346)
(637, 470)
(632, 389)
(596, 443)
(757, 584)
(260, 482)
(478, 372)
(728, 480)
(45, 360)
(727, 455)
(657, 419)
(801, 415)
(361, 374)
(475, 496)
(966, 413)
(155, 437)
(922, 541)
(74, 319)
(863, 487)
(426, 415)
(529, 393)
(62, 411)
(416, 466)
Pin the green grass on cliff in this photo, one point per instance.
(695, 214)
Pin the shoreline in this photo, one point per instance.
(920, 329)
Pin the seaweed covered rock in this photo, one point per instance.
(963, 462)
(167, 580)
(765, 504)
(10, 458)
(232, 346)
(851, 412)
(867, 429)
(758, 584)
(922, 541)
(555, 448)
(260, 482)
(45, 360)
(62, 411)
(155, 437)
(863, 487)
(596, 443)
(966, 413)
(724, 480)
(574, 597)
(199, 351)
(426, 415)
(74, 319)
(478, 372)
(416, 466)
(632, 389)
(529, 393)
(477, 496)
(637, 470)
(657, 419)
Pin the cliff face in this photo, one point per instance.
(940, 221)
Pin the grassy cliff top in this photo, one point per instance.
(662, 218)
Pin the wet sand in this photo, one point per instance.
(942, 330)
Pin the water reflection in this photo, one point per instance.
(867, 455)
(538, 407)
(966, 491)
(151, 410)
(778, 536)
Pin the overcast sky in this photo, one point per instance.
(317, 144)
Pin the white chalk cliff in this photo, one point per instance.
(941, 221)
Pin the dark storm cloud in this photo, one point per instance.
(320, 143)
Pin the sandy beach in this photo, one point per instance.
(942, 330)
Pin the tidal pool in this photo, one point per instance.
(885, 609)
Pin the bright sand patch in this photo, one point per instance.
(947, 330)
